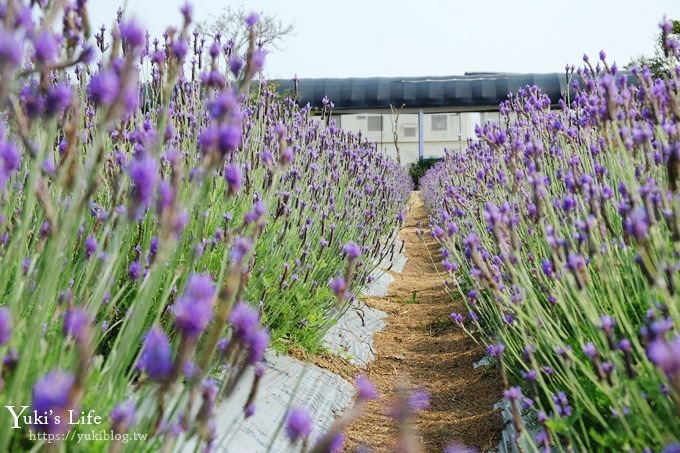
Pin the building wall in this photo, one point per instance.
(440, 131)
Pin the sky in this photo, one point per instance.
(390, 38)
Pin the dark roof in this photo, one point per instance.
(471, 92)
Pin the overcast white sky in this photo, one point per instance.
(363, 38)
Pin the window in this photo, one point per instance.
(409, 131)
(374, 123)
(439, 123)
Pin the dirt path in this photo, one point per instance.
(422, 344)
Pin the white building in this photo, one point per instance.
(434, 113)
(439, 131)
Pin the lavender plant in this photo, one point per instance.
(164, 218)
(559, 228)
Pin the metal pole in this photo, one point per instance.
(421, 135)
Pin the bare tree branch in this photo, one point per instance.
(230, 24)
(394, 119)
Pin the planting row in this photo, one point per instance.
(163, 218)
(560, 227)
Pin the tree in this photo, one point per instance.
(394, 119)
(658, 64)
(230, 24)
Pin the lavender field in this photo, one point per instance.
(162, 226)
(560, 229)
(167, 216)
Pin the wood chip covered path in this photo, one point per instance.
(421, 345)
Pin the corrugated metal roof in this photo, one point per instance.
(479, 91)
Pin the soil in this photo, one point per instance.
(421, 347)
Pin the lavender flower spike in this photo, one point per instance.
(194, 310)
(51, 396)
(352, 250)
(156, 358)
(144, 174)
(365, 389)
(123, 416)
(5, 325)
(298, 423)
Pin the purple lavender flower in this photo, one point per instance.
(257, 342)
(190, 369)
(26, 264)
(252, 19)
(438, 232)
(419, 400)
(180, 48)
(529, 375)
(495, 350)
(547, 268)
(636, 224)
(76, 323)
(240, 249)
(513, 393)
(298, 423)
(665, 354)
(365, 389)
(187, 12)
(338, 285)
(10, 161)
(135, 270)
(671, 448)
(457, 318)
(449, 266)
(52, 396)
(590, 350)
(48, 166)
(180, 221)
(625, 345)
(255, 214)
(90, 246)
(352, 250)
(11, 50)
(607, 323)
(132, 34)
(104, 87)
(576, 262)
(156, 357)
(608, 367)
(194, 310)
(214, 49)
(166, 196)
(45, 47)
(258, 60)
(153, 246)
(232, 174)
(337, 444)
(267, 158)
(541, 417)
(58, 98)
(457, 448)
(244, 320)
(123, 416)
(144, 174)
(562, 404)
(229, 138)
(5, 325)
(235, 66)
